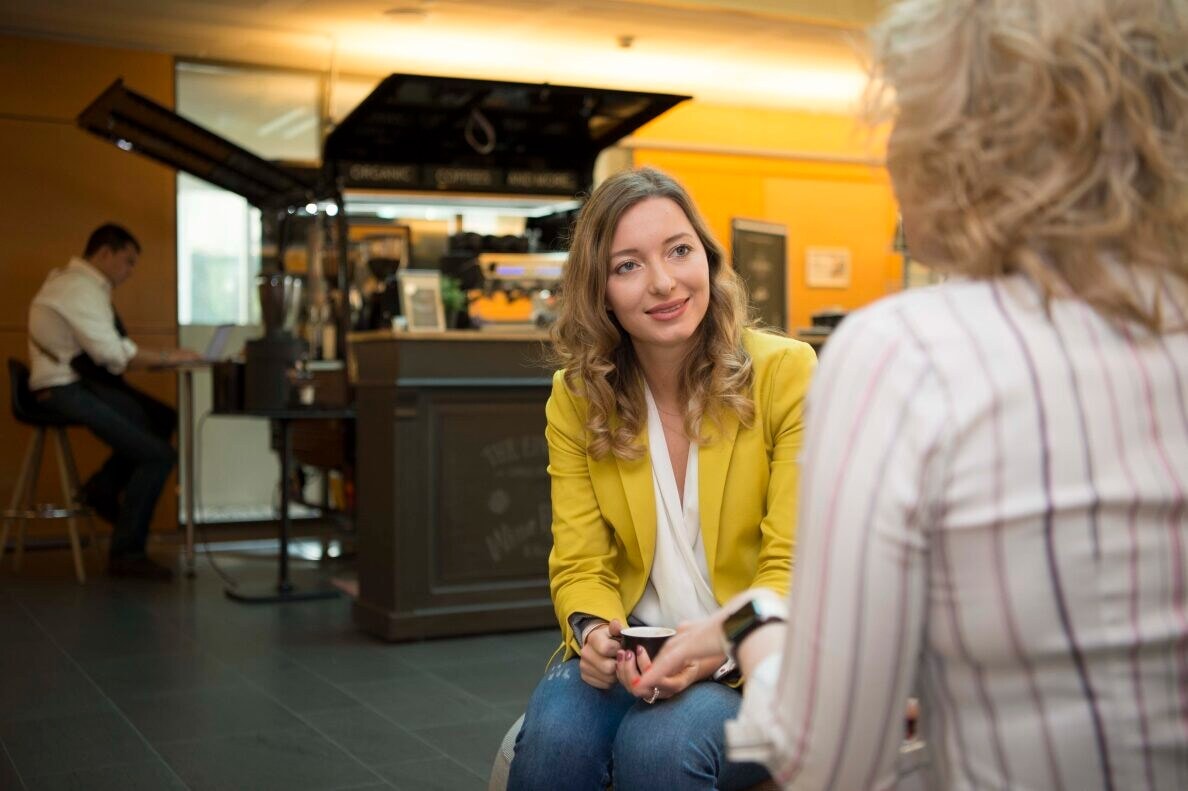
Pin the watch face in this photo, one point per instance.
(739, 621)
(751, 614)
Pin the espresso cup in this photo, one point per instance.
(650, 638)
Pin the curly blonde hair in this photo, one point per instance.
(597, 354)
(1044, 137)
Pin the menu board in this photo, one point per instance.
(761, 258)
(495, 513)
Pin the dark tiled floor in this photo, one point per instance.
(139, 686)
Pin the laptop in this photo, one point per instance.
(218, 344)
(214, 352)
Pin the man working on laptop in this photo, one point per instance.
(79, 352)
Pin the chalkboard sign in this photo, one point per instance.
(494, 508)
(761, 258)
(420, 300)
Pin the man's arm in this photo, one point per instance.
(151, 358)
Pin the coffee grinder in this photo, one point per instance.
(270, 359)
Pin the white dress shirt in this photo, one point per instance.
(992, 510)
(72, 313)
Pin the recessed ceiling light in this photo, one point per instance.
(413, 8)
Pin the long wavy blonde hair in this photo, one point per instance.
(597, 354)
(1047, 137)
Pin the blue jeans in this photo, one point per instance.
(577, 737)
(132, 425)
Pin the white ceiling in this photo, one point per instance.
(792, 53)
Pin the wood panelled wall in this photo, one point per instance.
(58, 184)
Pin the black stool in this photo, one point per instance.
(22, 507)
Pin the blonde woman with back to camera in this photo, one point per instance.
(673, 434)
(993, 504)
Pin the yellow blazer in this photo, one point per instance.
(604, 510)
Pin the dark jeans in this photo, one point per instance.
(137, 428)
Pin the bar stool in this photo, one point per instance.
(22, 507)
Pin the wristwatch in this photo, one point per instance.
(752, 614)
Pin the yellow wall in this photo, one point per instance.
(59, 183)
(820, 204)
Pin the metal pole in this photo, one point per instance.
(283, 585)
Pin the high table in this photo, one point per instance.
(284, 589)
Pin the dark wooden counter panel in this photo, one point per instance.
(453, 512)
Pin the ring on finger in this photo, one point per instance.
(655, 694)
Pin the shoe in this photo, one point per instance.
(105, 506)
(138, 567)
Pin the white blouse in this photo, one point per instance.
(678, 587)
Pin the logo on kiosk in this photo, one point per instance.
(383, 175)
(521, 525)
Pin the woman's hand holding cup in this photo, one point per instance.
(598, 663)
(635, 660)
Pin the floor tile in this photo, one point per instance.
(63, 744)
(62, 611)
(238, 697)
(293, 686)
(18, 627)
(289, 760)
(539, 644)
(152, 775)
(350, 663)
(448, 652)
(9, 778)
(471, 744)
(497, 681)
(435, 774)
(119, 637)
(150, 674)
(38, 681)
(510, 711)
(371, 738)
(203, 713)
(419, 700)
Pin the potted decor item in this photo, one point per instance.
(453, 300)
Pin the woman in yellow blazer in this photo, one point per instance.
(673, 435)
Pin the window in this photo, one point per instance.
(274, 114)
(218, 254)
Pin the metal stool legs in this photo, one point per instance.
(22, 507)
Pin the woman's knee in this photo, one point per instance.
(564, 710)
(549, 729)
(680, 740)
(565, 741)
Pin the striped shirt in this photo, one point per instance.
(992, 513)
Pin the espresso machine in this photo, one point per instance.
(270, 360)
(517, 291)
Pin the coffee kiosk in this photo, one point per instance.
(454, 518)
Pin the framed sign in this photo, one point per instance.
(760, 252)
(827, 267)
(420, 300)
